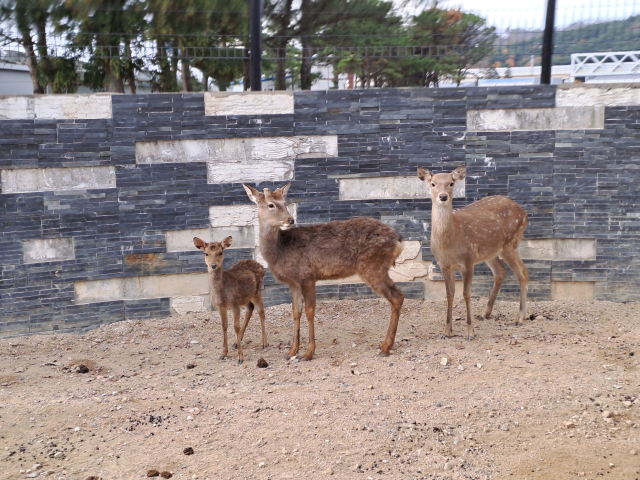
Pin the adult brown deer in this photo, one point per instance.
(240, 286)
(481, 232)
(301, 256)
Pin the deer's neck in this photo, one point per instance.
(442, 225)
(269, 242)
(215, 276)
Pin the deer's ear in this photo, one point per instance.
(200, 244)
(424, 174)
(459, 173)
(283, 190)
(253, 194)
(226, 243)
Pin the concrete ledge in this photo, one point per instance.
(253, 171)
(576, 291)
(189, 304)
(57, 179)
(603, 95)
(134, 288)
(559, 118)
(558, 249)
(54, 107)
(248, 103)
(48, 250)
(400, 186)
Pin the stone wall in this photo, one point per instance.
(102, 195)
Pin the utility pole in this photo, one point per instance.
(547, 43)
(255, 30)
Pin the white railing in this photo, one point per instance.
(605, 63)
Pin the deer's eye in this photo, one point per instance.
(206, 254)
(271, 205)
(433, 184)
(451, 185)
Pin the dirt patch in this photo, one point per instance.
(558, 398)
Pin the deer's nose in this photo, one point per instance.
(443, 197)
(214, 266)
(291, 221)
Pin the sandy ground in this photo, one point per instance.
(556, 398)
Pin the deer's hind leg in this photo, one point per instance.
(511, 256)
(236, 327)
(247, 317)
(499, 274)
(382, 284)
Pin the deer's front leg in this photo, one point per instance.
(466, 293)
(309, 292)
(238, 329)
(223, 317)
(296, 304)
(450, 286)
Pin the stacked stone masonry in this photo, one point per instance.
(102, 195)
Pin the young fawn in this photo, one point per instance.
(240, 286)
(481, 232)
(301, 256)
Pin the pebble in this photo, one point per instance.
(539, 317)
(190, 366)
(262, 363)
(569, 425)
(632, 452)
(444, 361)
(460, 367)
(329, 471)
(504, 427)
(188, 451)
(166, 475)
(479, 365)
(607, 414)
(627, 403)
(32, 475)
(153, 473)
(19, 370)
(448, 466)
(261, 464)
(194, 342)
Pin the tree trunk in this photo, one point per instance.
(281, 66)
(205, 82)
(131, 79)
(46, 66)
(113, 83)
(246, 70)
(174, 66)
(27, 43)
(185, 67)
(305, 66)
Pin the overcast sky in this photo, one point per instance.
(529, 14)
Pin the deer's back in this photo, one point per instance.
(489, 224)
(239, 284)
(331, 250)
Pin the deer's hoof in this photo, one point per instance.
(481, 318)
(304, 359)
(264, 347)
(383, 354)
(234, 346)
(470, 338)
(223, 357)
(518, 324)
(444, 336)
(240, 362)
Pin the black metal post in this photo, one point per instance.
(547, 43)
(255, 30)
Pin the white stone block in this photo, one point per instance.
(237, 150)
(399, 186)
(182, 240)
(558, 118)
(133, 288)
(410, 251)
(603, 95)
(573, 291)
(558, 249)
(57, 179)
(48, 250)
(248, 103)
(253, 172)
(188, 304)
(408, 271)
(54, 107)
(233, 215)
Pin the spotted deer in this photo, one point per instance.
(303, 255)
(239, 286)
(484, 231)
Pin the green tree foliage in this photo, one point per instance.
(25, 23)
